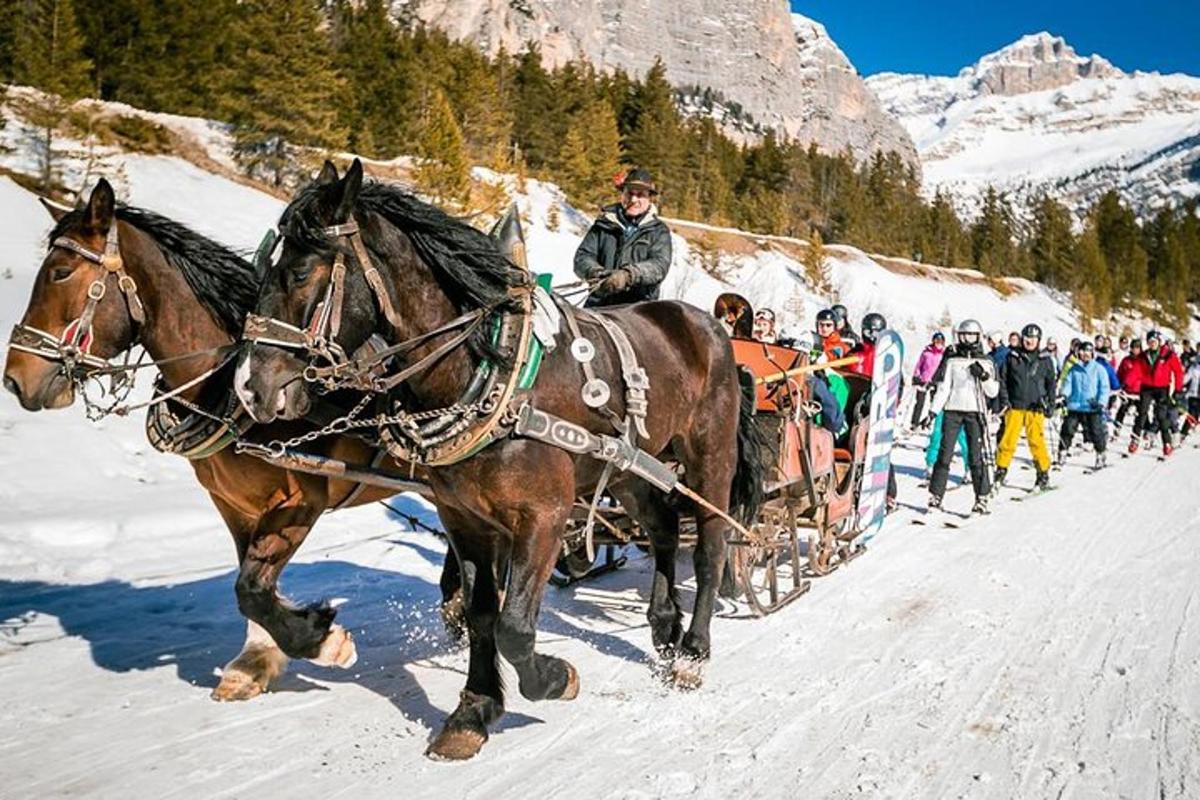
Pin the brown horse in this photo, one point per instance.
(194, 295)
(505, 507)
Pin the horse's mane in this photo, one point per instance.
(467, 263)
(224, 282)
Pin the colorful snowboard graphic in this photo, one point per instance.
(885, 397)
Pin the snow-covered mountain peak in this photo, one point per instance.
(1036, 116)
(1034, 63)
(815, 44)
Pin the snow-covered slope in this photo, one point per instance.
(1036, 655)
(1035, 116)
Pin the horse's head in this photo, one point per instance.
(76, 316)
(311, 307)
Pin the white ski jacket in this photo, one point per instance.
(1191, 381)
(959, 390)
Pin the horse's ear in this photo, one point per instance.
(101, 206)
(55, 210)
(328, 174)
(351, 185)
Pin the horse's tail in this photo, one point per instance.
(746, 494)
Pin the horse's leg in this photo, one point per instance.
(536, 530)
(301, 632)
(709, 458)
(482, 700)
(661, 523)
(261, 660)
(454, 593)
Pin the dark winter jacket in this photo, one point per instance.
(1027, 380)
(1162, 369)
(642, 248)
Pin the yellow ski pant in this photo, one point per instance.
(1033, 423)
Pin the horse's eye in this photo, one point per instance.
(299, 276)
(60, 274)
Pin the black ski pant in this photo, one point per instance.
(1092, 423)
(1122, 410)
(1193, 415)
(1160, 398)
(976, 429)
(921, 390)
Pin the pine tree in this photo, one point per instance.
(1093, 295)
(992, 237)
(653, 141)
(1052, 244)
(1120, 242)
(944, 241)
(48, 54)
(590, 155)
(816, 268)
(288, 92)
(382, 76)
(444, 172)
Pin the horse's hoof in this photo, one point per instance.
(687, 673)
(249, 675)
(237, 685)
(456, 745)
(337, 649)
(572, 690)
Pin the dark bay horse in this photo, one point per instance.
(505, 507)
(195, 294)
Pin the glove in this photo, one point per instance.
(616, 282)
(978, 371)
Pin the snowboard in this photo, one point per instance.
(881, 432)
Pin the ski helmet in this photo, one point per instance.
(826, 315)
(872, 325)
(1031, 331)
(1085, 348)
(839, 313)
(1153, 334)
(970, 333)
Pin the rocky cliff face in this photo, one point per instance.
(1037, 117)
(782, 68)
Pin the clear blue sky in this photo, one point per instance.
(939, 37)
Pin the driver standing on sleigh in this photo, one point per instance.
(628, 248)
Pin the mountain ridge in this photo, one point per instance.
(1036, 116)
(782, 68)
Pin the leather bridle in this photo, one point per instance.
(73, 347)
(319, 338)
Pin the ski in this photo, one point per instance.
(1032, 493)
(960, 521)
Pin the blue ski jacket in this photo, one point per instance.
(1114, 383)
(1086, 387)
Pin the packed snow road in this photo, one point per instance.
(1051, 650)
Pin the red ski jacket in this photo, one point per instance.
(1131, 373)
(866, 364)
(1164, 371)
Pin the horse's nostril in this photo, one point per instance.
(11, 384)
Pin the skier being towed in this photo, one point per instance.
(966, 381)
